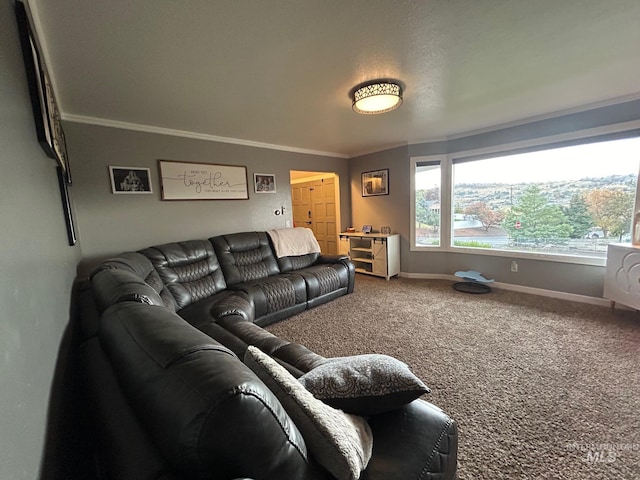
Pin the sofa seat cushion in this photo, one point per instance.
(296, 358)
(198, 401)
(325, 281)
(286, 293)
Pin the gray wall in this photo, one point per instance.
(109, 224)
(394, 209)
(37, 269)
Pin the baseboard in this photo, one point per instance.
(573, 297)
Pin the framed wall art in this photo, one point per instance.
(66, 207)
(46, 115)
(130, 180)
(202, 181)
(375, 182)
(264, 182)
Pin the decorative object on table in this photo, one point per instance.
(366, 229)
(351, 230)
(43, 102)
(385, 230)
(202, 181)
(130, 180)
(475, 282)
(375, 182)
(264, 182)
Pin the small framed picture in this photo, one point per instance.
(375, 182)
(366, 229)
(264, 182)
(130, 180)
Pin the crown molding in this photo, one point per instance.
(186, 134)
(528, 120)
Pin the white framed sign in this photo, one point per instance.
(202, 181)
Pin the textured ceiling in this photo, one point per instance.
(279, 72)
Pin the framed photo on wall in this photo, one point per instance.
(264, 182)
(375, 182)
(43, 101)
(130, 180)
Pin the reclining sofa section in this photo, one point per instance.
(164, 331)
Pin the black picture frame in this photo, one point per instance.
(264, 183)
(130, 180)
(375, 182)
(46, 114)
(66, 206)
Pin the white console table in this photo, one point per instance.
(622, 275)
(373, 253)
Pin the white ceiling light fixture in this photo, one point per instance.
(375, 97)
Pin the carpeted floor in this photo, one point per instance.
(540, 388)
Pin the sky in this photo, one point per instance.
(619, 157)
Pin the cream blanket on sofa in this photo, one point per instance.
(292, 242)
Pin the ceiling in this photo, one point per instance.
(278, 72)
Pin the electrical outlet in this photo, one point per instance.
(514, 266)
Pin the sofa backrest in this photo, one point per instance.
(129, 276)
(245, 256)
(198, 401)
(189, 269)
(287, 264)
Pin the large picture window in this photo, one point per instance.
(568, 201)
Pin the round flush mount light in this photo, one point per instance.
(375, 97)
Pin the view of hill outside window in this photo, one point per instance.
(565, 201)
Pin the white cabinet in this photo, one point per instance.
(622, 275)
(373, 253)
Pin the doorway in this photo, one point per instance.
(315, 199)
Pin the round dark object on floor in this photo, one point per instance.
(471, 287)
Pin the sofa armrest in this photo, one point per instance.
(344, 260)
(328, 258)
(414, 442)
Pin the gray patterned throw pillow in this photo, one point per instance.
(364, 384)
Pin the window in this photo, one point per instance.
(557, 202)
(563, 201)
(427, 203)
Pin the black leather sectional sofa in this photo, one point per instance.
(165, 331)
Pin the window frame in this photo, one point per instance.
(445, 207)
(628, 130)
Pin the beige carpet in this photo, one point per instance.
(540, 388)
